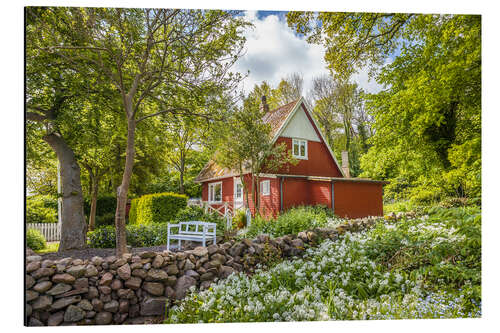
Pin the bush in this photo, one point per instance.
(104, 220)
(35, 240)
(291, 222)
(195, 213)
(137, 236)
(156, 208)
(106, 204)
(41, 209)
(240, 219)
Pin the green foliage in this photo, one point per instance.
(156, 208)
(106, 219)
(41, 209)
(195, 213)
(292, 221)
(35, 240)
(137, 236)
(106, 204)
(240, 219)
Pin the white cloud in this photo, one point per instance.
(273, 52)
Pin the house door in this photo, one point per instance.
(238, 193)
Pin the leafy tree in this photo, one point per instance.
(246, 146)
(150, 56)
(430, 110)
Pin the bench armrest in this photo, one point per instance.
(172, 226)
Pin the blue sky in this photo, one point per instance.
(274, 51)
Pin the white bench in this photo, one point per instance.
(196, 231)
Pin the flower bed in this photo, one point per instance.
(427, 267)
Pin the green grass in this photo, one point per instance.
(51, 247)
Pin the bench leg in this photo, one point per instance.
(215, 239)
(168, 244)
(180, 244)
(203, 242)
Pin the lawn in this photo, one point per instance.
(51, 247)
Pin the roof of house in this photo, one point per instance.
(277, 118)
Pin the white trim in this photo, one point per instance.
(210, 197)
(299, 142)
(237, 181)
(263, 187)
(299, 102)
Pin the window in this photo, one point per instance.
(264, 187)
(215, 192)
(238, 190)
(299, 149)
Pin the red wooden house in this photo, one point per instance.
(316, 179)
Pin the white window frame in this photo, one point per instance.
(211, 186)
(237, 181)
(299, 142)
(263, 185)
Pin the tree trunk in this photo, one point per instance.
(181, 177)
(93, 201)
(122, 191)
(73, 225)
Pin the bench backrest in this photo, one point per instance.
(196, 227)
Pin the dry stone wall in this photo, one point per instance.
(138, 288)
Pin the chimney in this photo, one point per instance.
(345, 163)
(265, 106)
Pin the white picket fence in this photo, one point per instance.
(51, 231)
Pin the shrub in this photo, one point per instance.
(137, 236)
(106, 219)
(195, 213)
(240, 219)
(106, 204)
(35, 240)
(156, 208)
(41, 209)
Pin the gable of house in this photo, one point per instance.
(288, 122)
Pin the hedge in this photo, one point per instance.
(156, 208)
(106, 204)
(41, 209)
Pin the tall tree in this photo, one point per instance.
(149, 55)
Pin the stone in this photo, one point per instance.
(106, 290)
(212, 248)
(29, 310)
(123, 306)
(73, 314)
(205, 285)
(64, 302)
(118, 263)
(181, 255)
(81, 283)
(124, 272)
(147, 254)
(63, 278)
(172, 269)
(90, 314)
(31, 295)
(182, 285)
(236, 249)
(103, 318)
(111, 306)
(153, 306)
(34, 322)
(33, 258)
(32, 266)
(42, 303)
(158, 261)
(153, 288)
(109, 260)
(30, 281)
(42, 272)
(119, 318)
(225, 271)
(125, 293)
(84, 304)
(91, 270)
(56, 319)
(134, 310)
(192, 273)
(298, 243)
(97, 260)
(106, 279)
(97, 305)
(171, 281)
(116, 284)
(157, 275)
(59, 288)
(43, 286)
(76, 271)
(60, 268)
(139, 273)
(207, 276)
(92, 293)
(133, 283)
(200, 251)
(147, 266)
(74, 292)
(188, 265)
